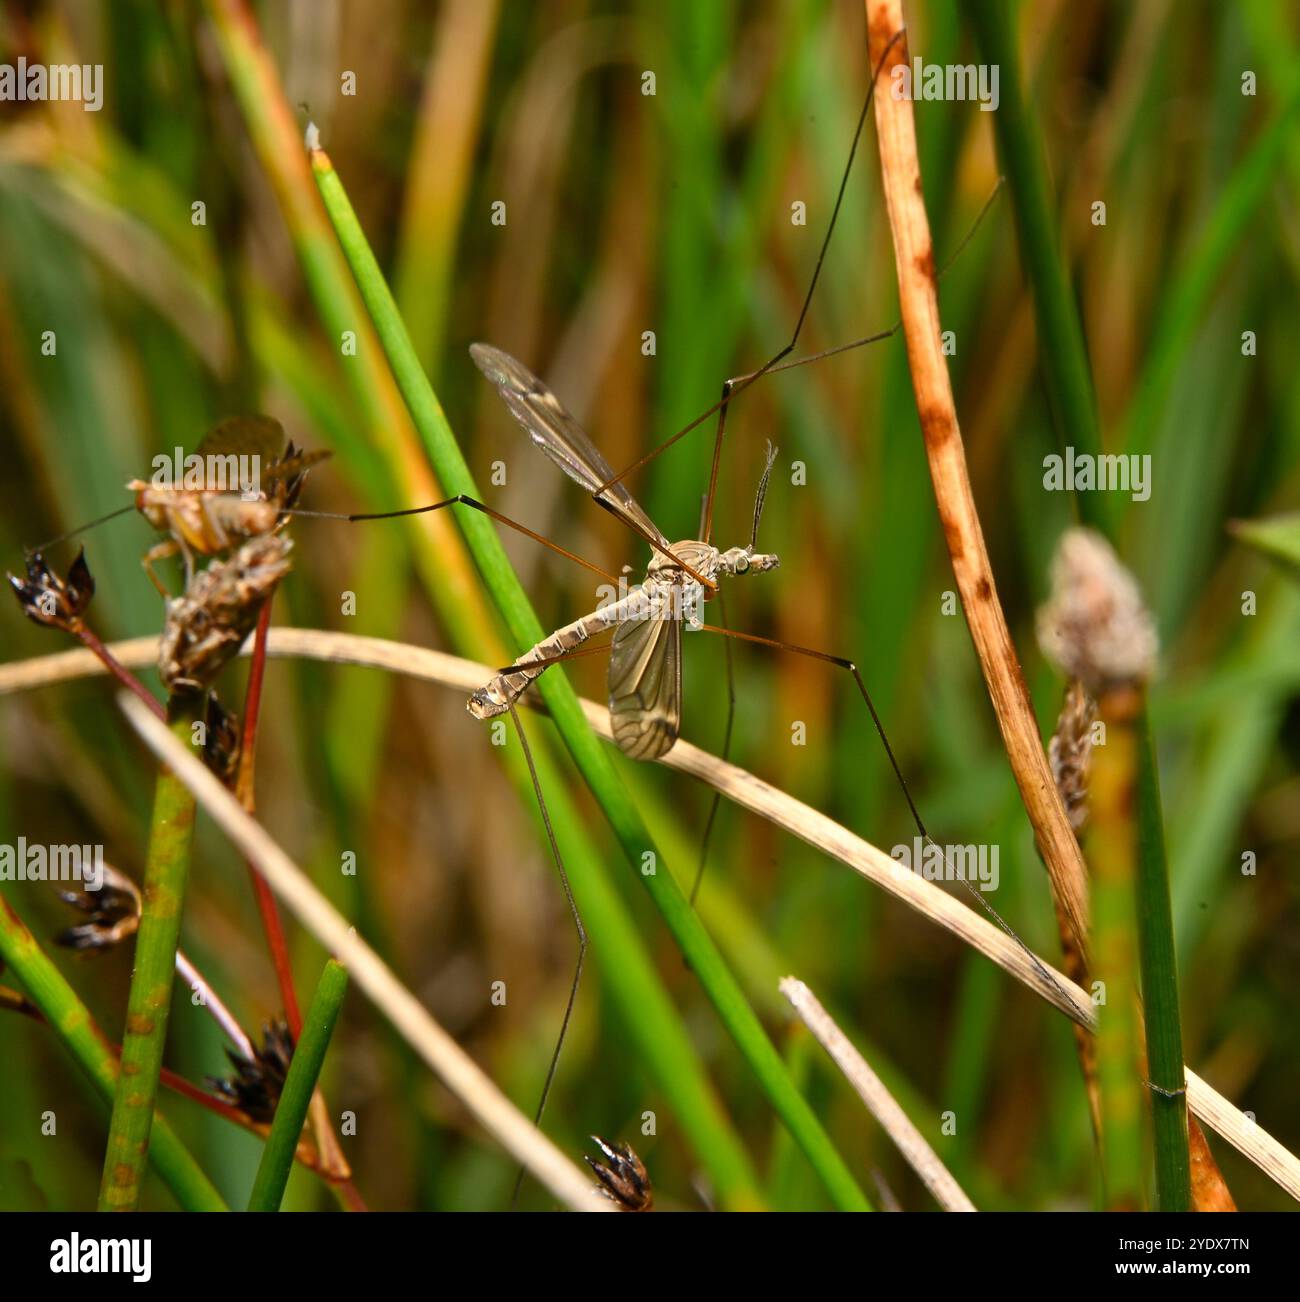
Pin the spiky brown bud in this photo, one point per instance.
(1070, 752)
(221, 749)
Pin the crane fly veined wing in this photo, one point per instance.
(645, 686)
(556, 432)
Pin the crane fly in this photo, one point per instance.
(645, 667)
(644, 677)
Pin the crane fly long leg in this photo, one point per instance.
(803, 311)
(577, 922)
(881, 335)
(842, 663)
(726, 755)
(783, 362)
(463, 499)
(846, 664)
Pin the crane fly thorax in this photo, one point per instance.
(701, 557)
(670, 585)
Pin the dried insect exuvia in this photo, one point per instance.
(113, 913)
(50, 600)
(623, 1178)
(207, 625)
(257, 1085)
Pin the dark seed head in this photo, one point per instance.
(113, 914)
(50, 600)
(257, 1084)
(221, 750)
(623, 1178)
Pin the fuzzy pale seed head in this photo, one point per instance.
(1095, 625)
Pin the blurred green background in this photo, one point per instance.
(671, 213)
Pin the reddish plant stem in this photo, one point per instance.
(333, 1164)
(945, 453)
(118, 670)
(266, 905)
(187, 1089)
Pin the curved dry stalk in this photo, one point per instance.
(745, 789)
(453, 1065)
(880, 1103)
(919, 301)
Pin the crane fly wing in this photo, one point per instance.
(557, 433)
(645, 685)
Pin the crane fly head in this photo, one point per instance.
(744, 560)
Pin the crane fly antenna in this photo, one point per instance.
(81, 528)
(761, 496)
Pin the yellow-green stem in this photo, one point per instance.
(166, 871)
(1112, 855)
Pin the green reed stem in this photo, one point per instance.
(1112, 845)
(1062, 353)
(632, 979)
(299, 1085)
(1164, 1034)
